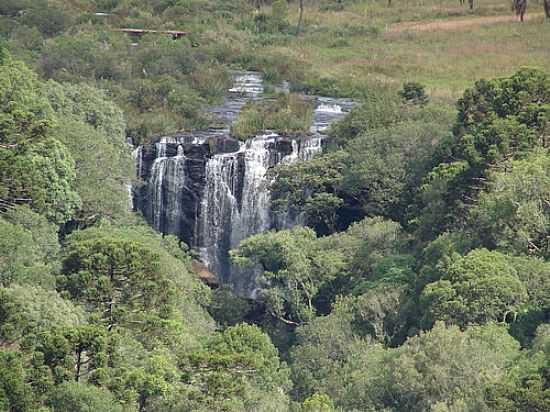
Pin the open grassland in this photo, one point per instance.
(436, 42)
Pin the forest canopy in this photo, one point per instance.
(418, 280)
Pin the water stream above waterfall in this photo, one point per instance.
(212, 191)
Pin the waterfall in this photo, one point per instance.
(218, 206)
(212, 191)
(157, 192)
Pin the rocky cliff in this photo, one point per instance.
(212, 191)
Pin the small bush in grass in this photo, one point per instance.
(413, 92)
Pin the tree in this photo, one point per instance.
(159, 298)
(300, 18)
(35, 169)
(519, 6)
(81, 397)
(513, 214)
(238, 370)
(44, 233)
(318, 403)
(24, 113)
(300, 186)
(44, 177)
(385, 167)
(474, 289)
(379, 312)
(322, 349)
(94, 131)
(497, 120)
(444, 369)
(294, 270)
(280, 14)
(155, 379)
(15, 393)
(227, 308)
(76, 353)
(21, 260)
(118, 279)
(27, 311)
(526, 386)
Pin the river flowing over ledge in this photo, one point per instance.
(212, 191)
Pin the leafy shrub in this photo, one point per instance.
(413, 92)
(286, 114)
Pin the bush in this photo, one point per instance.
(287, 114)
(413, 92)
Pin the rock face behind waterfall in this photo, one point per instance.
(212, 191)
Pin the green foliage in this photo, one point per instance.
(497, 120)
(371, 254)
(378, 171)
(228, 309)
(35, 169)
(44, 233)
(94, 131)
(318, 403)
(308, 185)
(116, 278)
(276, 22)
(15, 393)
(240, 370)
(79, 397)
(512, 214)
(50, 20)
(287, 114)
(24, 113)
(174, 298)
(385, 166)
(526, 385)
(162, 85)
(22, 261)
(321, 350)
(44, 175)
(29, 311)
(413, 92)
(294, 269)
(401, 209)
(474, 289)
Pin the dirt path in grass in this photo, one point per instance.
(453, 25)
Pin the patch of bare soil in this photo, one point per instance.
(453, 25)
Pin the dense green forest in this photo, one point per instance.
(419, 282)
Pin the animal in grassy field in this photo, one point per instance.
(547, 8)
(519, 6)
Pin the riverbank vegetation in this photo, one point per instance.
(288, 114)
(420, 280)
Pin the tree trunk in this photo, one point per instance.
(300, 19)
(78, 364)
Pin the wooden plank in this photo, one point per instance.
(147, 31)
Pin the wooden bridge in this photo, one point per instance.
(176, 34)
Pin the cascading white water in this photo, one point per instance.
(254, 216)
(236, 202)
(156, 192)
(213, 192)
(218, 206)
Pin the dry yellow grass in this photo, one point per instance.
(438, 43)
(454, 25)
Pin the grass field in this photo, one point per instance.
(439, 43)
